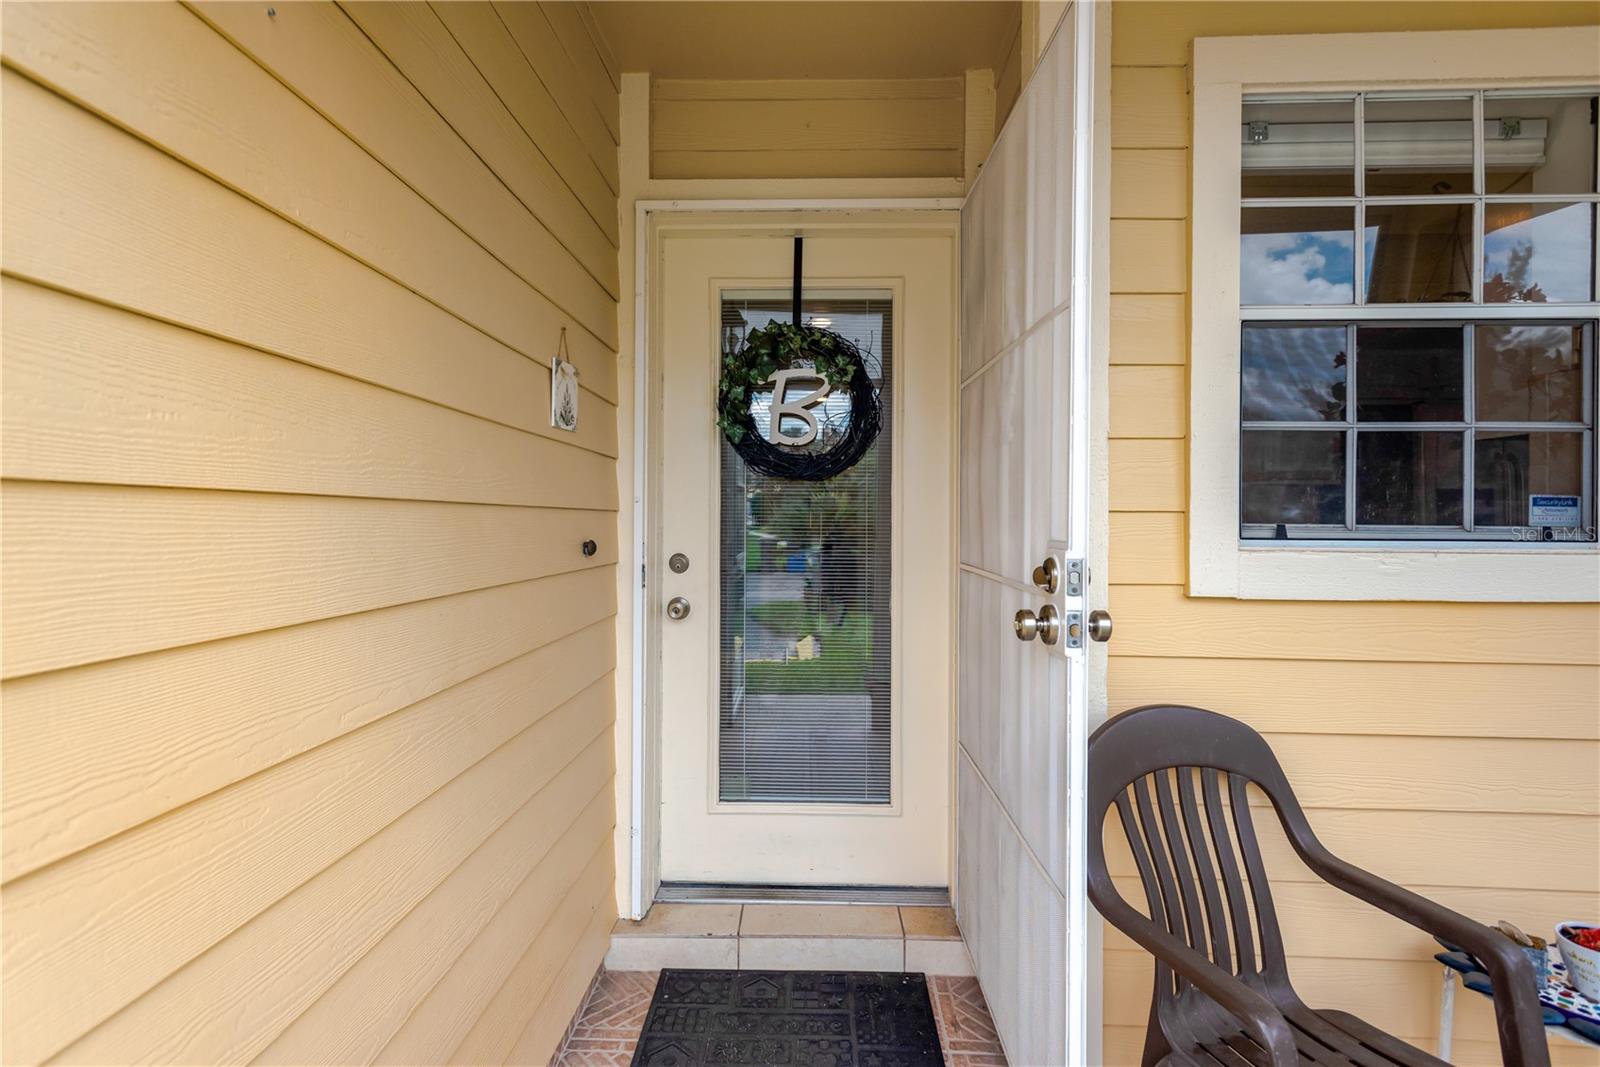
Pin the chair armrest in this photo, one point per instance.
(1518, 1015)
(1259, 1016)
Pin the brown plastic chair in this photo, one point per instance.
(1222, 993)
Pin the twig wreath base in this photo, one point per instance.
(774, 347)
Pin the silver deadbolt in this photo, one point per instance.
(1099, 625)
(1047, 575)
(678, 608)
(677, 563)
(1046, 625)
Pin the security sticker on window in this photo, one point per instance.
(1553, 511)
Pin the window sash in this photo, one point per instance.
(1468, 425)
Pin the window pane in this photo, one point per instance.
(1409, 374)
(1293, 373)
(1297, 255)
(805, 697)
(1418, 253)
(1509, 467)
(1537, 253)
(1418, 146)
(1298, 149)
(1539, 145)
(1529, 373)
(1408, 479)
(1293, 476)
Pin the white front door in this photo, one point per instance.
(805, 702)
(1024, 505)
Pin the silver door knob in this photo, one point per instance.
(677, 608)
(1099, 625)
(1046, 625)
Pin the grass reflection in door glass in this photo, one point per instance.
(805, 697)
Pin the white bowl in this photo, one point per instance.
(1583, 964)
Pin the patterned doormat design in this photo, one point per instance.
(800, 1018)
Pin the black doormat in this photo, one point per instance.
(803, 1018)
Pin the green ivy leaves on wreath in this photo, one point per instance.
(747, 372)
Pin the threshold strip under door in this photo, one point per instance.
(731, 893)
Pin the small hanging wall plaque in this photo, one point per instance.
(563, 390)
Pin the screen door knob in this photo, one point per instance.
(677, 608)
(1046, 625)
(1099, 625)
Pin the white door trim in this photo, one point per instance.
(645, 831)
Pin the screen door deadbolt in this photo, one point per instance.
(677, 563)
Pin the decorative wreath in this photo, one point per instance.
(774, 347)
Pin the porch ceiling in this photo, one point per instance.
(787, 39)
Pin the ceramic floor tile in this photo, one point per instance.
(938, 957)
(821, 954)
(683, 920)
(820, 920)
(937, 924)
(654, 953)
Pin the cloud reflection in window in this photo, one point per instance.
(1304, 267)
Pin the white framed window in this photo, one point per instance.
(1394, 305)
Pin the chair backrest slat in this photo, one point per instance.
(1232, 882)
(1183, 869)
(1272, 961)
(1201, 846)
(1173, 910)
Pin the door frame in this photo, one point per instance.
(1092, 215)
(645, 786)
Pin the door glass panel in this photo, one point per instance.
(805, 695)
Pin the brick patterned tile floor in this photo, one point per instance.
(608, 1024)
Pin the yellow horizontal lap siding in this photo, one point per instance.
(1449, 747)
(308, 682)
(514, 91)
(536, 39)
(96, 572)
(487, 823)
(127, 910)
(566, 19)
(156, 73)
(1162, 622)
(809, 129)
(148, 733)
(1381, 698)
(199, 255)
(319, 52)
(175, 408)
(533, 852)
(1149, 328)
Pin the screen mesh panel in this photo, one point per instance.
(804, 712)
